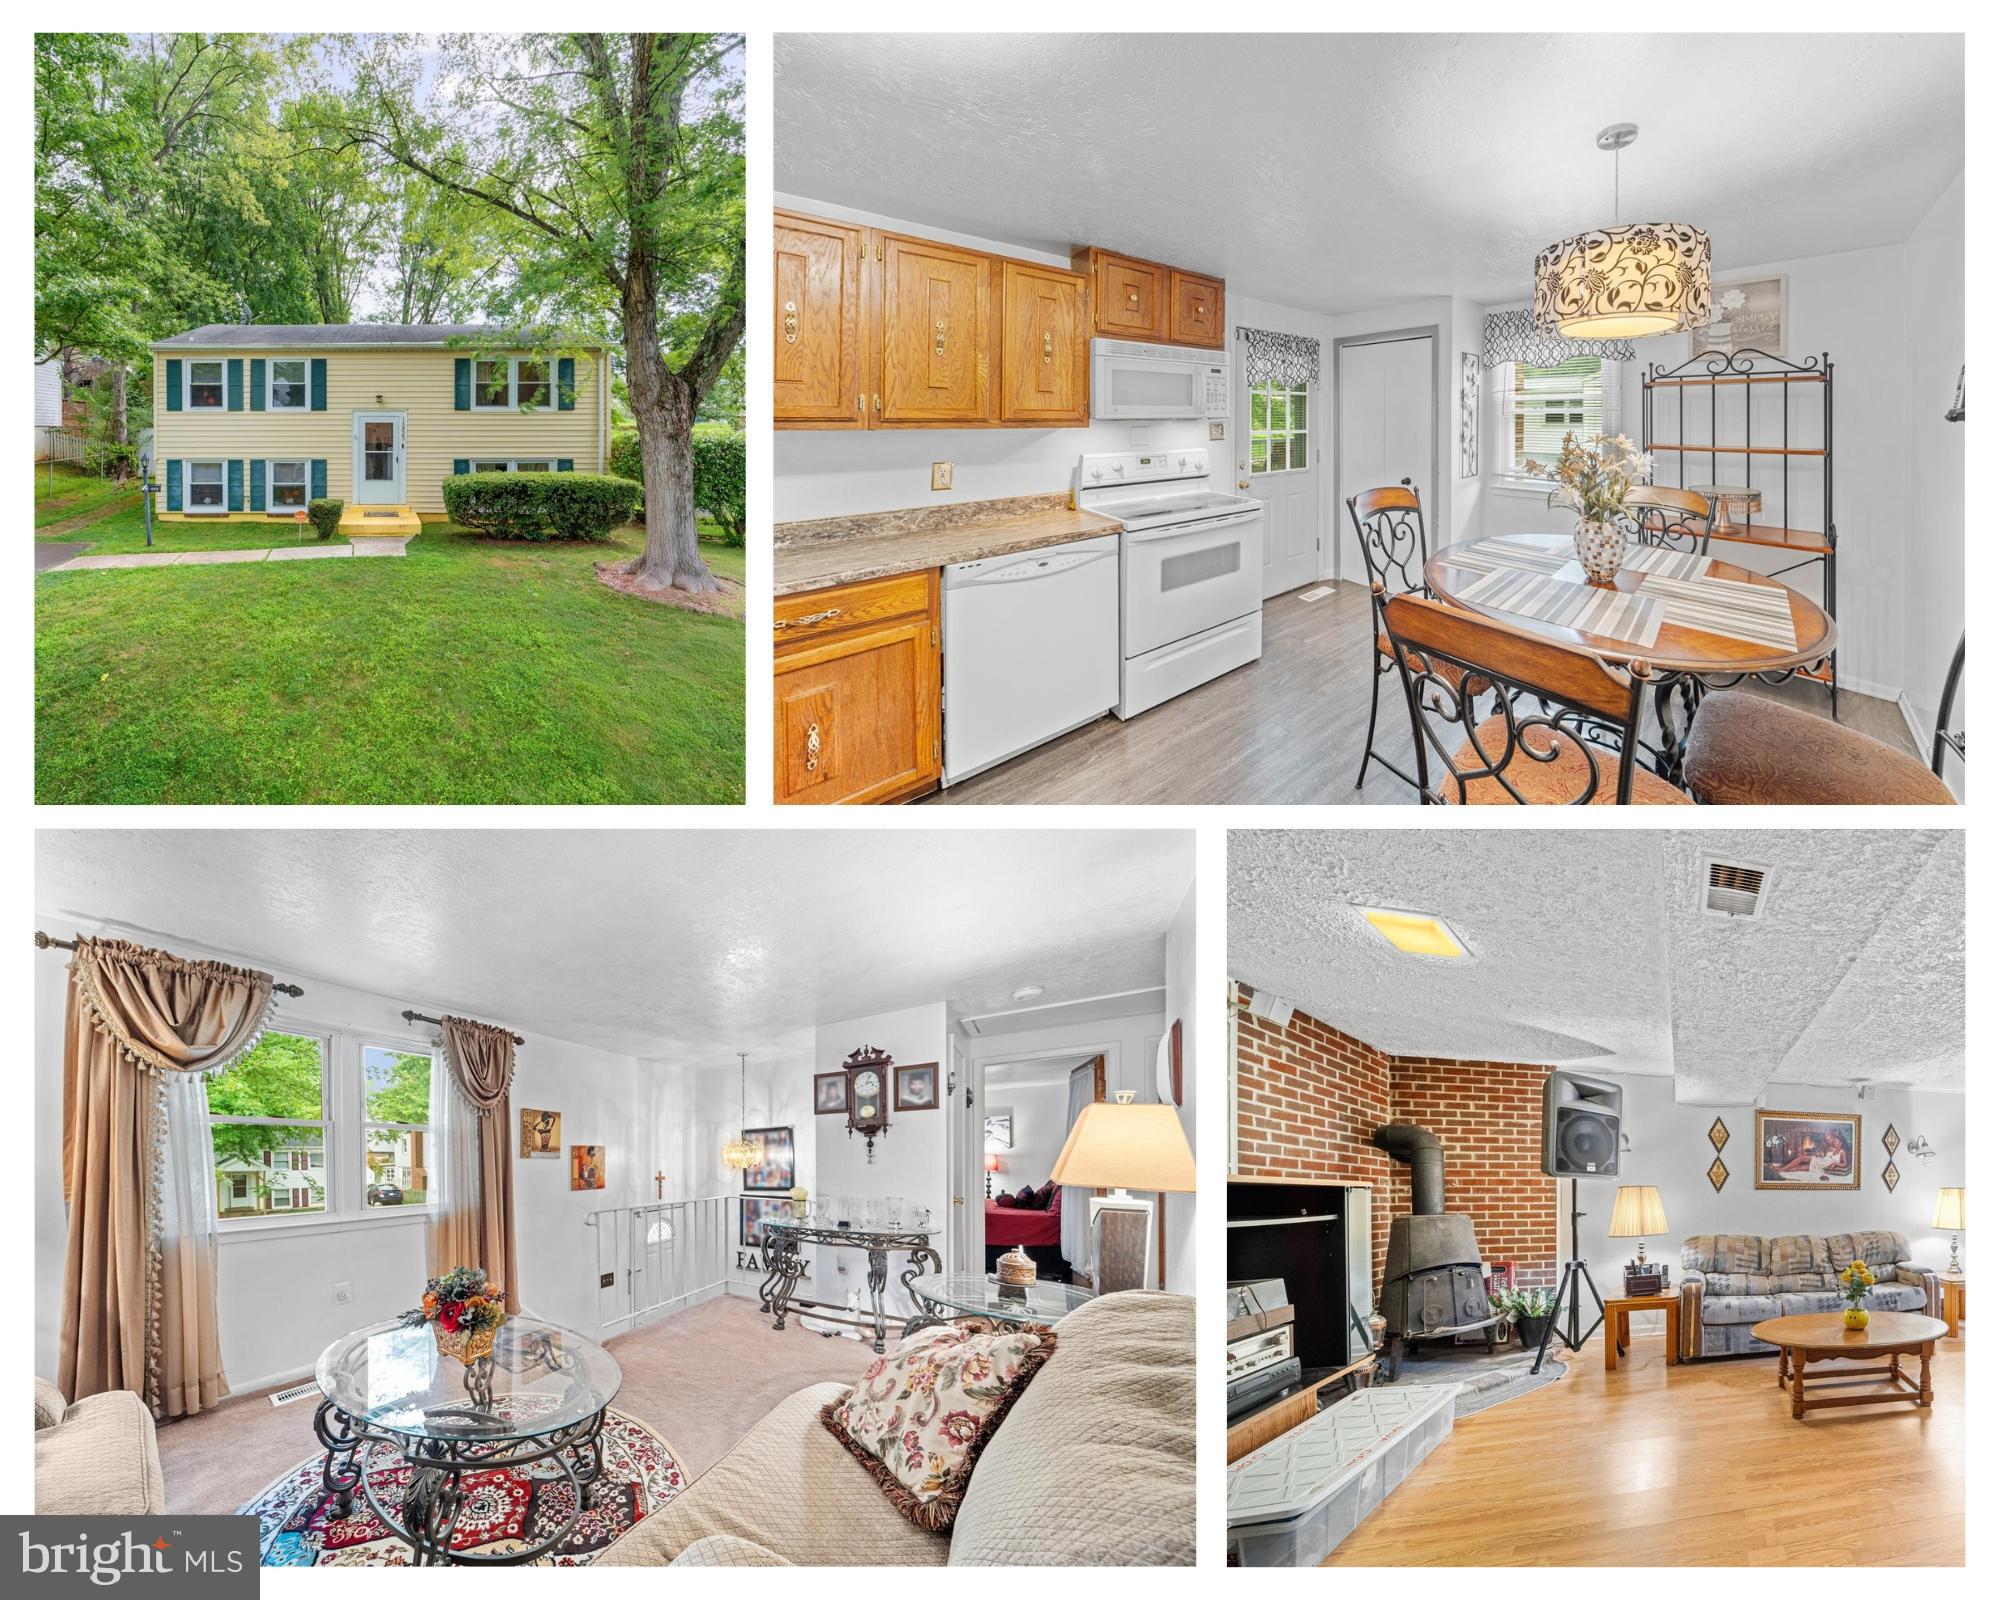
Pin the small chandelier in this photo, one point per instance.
(739, 1154)
(1628, 281)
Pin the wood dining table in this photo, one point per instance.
(1687, 656)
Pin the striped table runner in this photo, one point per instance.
(1542, 597)
(1553, 552)
(1760, 613)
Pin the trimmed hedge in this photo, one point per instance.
(324, 515)
(719, 475)
(540, 505)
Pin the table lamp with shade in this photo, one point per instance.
(1636, 1213)
(1950, 1213)
(1120, 1145)
(992, 1166)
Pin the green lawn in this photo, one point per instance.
(468, 671)
(64, 491)
(123, 532)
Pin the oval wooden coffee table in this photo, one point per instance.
(1823, 1336)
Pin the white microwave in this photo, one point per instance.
(1132, 382)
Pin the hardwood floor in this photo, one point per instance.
(1286, 730)
(1698, 1465)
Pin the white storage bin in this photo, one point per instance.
(1294, 1500)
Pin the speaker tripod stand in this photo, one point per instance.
(1575, 1279)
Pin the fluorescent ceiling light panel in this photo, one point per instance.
(1414, 933)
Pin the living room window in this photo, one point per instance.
(397, 1087)
(205, 386)
(1543, 403)
(288, 385)
(269, 1127)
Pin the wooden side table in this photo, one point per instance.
(1618, 1327)
(1954, 1302)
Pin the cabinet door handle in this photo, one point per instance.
(791, 322)
(809, 619)
(861, 402)
(812, 748)
(938, 338)
(1048, 346)
(1133, 296)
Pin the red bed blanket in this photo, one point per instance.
(1007, 1225)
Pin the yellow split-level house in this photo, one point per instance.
(252, 421)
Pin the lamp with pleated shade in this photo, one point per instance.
(1950, 1213)
(1638, 1214)
(1119, 1145)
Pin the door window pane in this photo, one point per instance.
(1278, 428)
(288, 385)
(378, 451)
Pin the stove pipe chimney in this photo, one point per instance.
(1420, 1148)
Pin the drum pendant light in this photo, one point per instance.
(1628, 281)
(739, 1154)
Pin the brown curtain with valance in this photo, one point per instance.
(138, 1308)
(480, 1059)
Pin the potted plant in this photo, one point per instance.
(1856, 1279)
(1532, 1309)
(464, 1310)
(1592, 480)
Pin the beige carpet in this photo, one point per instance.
(700, 1379)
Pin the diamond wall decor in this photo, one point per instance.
(1718, 1174)
(1891, 1138)
(1718, 1134)
(1891, 1176)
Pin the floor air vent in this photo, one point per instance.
(298, 1391)
(1735, 890)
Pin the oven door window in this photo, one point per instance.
(1177, 587)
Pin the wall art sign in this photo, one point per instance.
(541, 1134)
(1744, 316)
(586, 1166)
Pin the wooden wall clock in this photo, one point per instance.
(868, 1072)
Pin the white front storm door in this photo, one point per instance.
(378, 458)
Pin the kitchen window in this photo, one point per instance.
(288, 385)
(1543, 403)
(205, 386)
(396, 1087)
(205, 490)
(268, 1124)
(288, 485)
(1278, 429)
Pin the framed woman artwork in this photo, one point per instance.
(1808, 1150)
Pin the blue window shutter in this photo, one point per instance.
(566, 384)
(173, 383)
(256, 383)
(565, 465)
(174, 473)
(319, 383)
(235, 486)
(257, 485)
(461, 384)
(235, 383)
(460, 467)
(319, 479)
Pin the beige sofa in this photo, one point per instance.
(98, 1456)
(1732, 1281)
(1094, 1465)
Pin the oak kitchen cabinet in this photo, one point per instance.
(937, 333)
(856, 685)
(1044, 345)
(1150, 302)
(818, 331)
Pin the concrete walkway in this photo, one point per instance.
(191, 558)
(48, 556)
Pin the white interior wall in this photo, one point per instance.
(1670, 1150)
(1183, 1006)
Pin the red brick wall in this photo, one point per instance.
(1308, 1096)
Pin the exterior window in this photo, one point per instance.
(534, 466)
(491, 466)
(288, 485)
(288, 385)
(1544, 403)
(396, 1085)
(1278, 429)
(490, 385)
(531, 381)
(267, 1121)
(205, 385)
(205, 490)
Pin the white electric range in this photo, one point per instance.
(1191, 565)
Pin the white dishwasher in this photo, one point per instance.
(1030, 650)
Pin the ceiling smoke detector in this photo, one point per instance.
(1734, 889)
(1027, 991)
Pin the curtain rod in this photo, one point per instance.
(418, 1016)
(44, 942)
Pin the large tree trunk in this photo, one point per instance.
(663, 408)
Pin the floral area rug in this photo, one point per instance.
(507, 1509)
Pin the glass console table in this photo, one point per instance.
(784, 1266)
(965, 1294)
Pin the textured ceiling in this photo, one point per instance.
(1590, 950)
(1342, 172)
(684, 946)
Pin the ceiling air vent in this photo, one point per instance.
(1733, 889)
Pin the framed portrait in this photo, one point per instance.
(774, 1165)
(1000, 1129)
(917, 1087)
(541, 1134)
(586, 1166)
(1749, 315)
(829, 1094)
(754, 1212)
(1808, 1150)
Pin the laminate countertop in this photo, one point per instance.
(834, 550)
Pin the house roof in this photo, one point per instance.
(342, 335)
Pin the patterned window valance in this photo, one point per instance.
(1291, 359)
(1513, 336)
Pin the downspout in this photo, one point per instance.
(1420, 1148)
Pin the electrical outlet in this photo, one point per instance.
(342, 1293)
(607, 1280)
(940, 474)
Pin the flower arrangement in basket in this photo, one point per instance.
(1593, 480)
(464, 1311)
(1856, 1279)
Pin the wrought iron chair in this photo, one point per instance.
(1576, 744)
(1390, 525)
(1675, 519)
(1942, 737)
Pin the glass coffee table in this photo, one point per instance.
(540, 1397)
(968, 1294)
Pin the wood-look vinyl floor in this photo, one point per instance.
(1286, 730)
(1697, 1465)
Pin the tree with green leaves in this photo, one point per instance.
(403, 1092)
(281, 1079)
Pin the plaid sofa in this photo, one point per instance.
(1732, 1281)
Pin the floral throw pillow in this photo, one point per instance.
(921, 1414)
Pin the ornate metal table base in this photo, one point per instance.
(784, 1266)
(1678, 696)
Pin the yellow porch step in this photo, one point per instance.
(378, 522)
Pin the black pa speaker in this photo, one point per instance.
(1580, 1125)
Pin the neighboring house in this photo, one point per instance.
(289, 1176)
(48, 394)
(252, 421)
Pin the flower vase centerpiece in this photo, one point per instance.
(1855, 1281)
(464, 1310)
(1593, 480)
